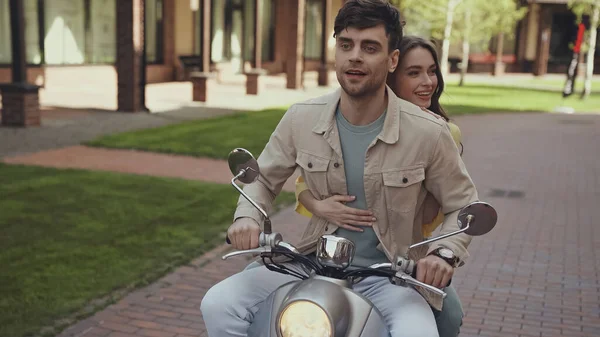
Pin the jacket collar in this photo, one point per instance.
(391, 126)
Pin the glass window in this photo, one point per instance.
(5, 40)
(32, 45)
(233, 22)
(198, 23)
(76, 31)
(32, 33)
(218, 31)
(268, 30)
(154, 31)
(248, 35)
(64, 42)
(313, 30)
(564, 33)
(101, 32)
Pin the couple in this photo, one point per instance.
(377, 169)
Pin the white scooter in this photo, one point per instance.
(321, 303)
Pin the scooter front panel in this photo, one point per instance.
(351, 314)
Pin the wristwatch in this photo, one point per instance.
(446, 255)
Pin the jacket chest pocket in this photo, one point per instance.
(402, 187)
(314, 171)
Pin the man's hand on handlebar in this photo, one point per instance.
(434, 271)
(244, 233)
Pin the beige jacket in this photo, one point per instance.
(413, 154)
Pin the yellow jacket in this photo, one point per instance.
(427, 228)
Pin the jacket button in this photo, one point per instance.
(336, 165)
(309, 165)
(404, 180)
(326, 228)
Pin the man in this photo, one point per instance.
(365, 139)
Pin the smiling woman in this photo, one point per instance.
(418, 78)
(417, 75)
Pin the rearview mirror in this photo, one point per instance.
(477, 218)
(244, 168)
(243, 165)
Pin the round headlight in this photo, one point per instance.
(304, 319)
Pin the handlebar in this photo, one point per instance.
(266, 242)
(405, 271)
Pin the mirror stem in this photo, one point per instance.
(267, 223)
(469, 220)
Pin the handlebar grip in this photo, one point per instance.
(414, 275)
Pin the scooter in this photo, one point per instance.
(321, 303)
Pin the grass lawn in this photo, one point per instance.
(555, 83)
(559, 83)
(216, 137)
(69, 237)
(473, 99)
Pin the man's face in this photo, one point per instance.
(362, 60)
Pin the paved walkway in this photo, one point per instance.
(138, 162)
(536, 274)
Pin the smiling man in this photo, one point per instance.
(360, 140)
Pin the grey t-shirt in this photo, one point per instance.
(355, 140)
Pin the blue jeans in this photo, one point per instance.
(228, 308)
(225, 317)
(449, 320)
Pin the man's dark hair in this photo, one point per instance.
(363, 14)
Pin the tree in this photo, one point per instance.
(591, 8)
(466, 40)
(503, 16)
(492, 18)
(439, 14)
(452, 4)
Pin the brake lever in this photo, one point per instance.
(259, 250)
(410, 280)
(288, 247)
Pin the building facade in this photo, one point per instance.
(70, 43)
(541, 42)
(88, 43)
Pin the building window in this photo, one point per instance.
(564, 33)
(248, 29)
(5, 40)
(33, 48)
(154, 31)
(32, 45)
(233, 30)
(313, 29)
(65, 32)
(76, 31)
(268, 30)
(101, 43)
(217, 44)
(79, 32)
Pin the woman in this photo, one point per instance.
(417, 79)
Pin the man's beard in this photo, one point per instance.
(362, 89)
